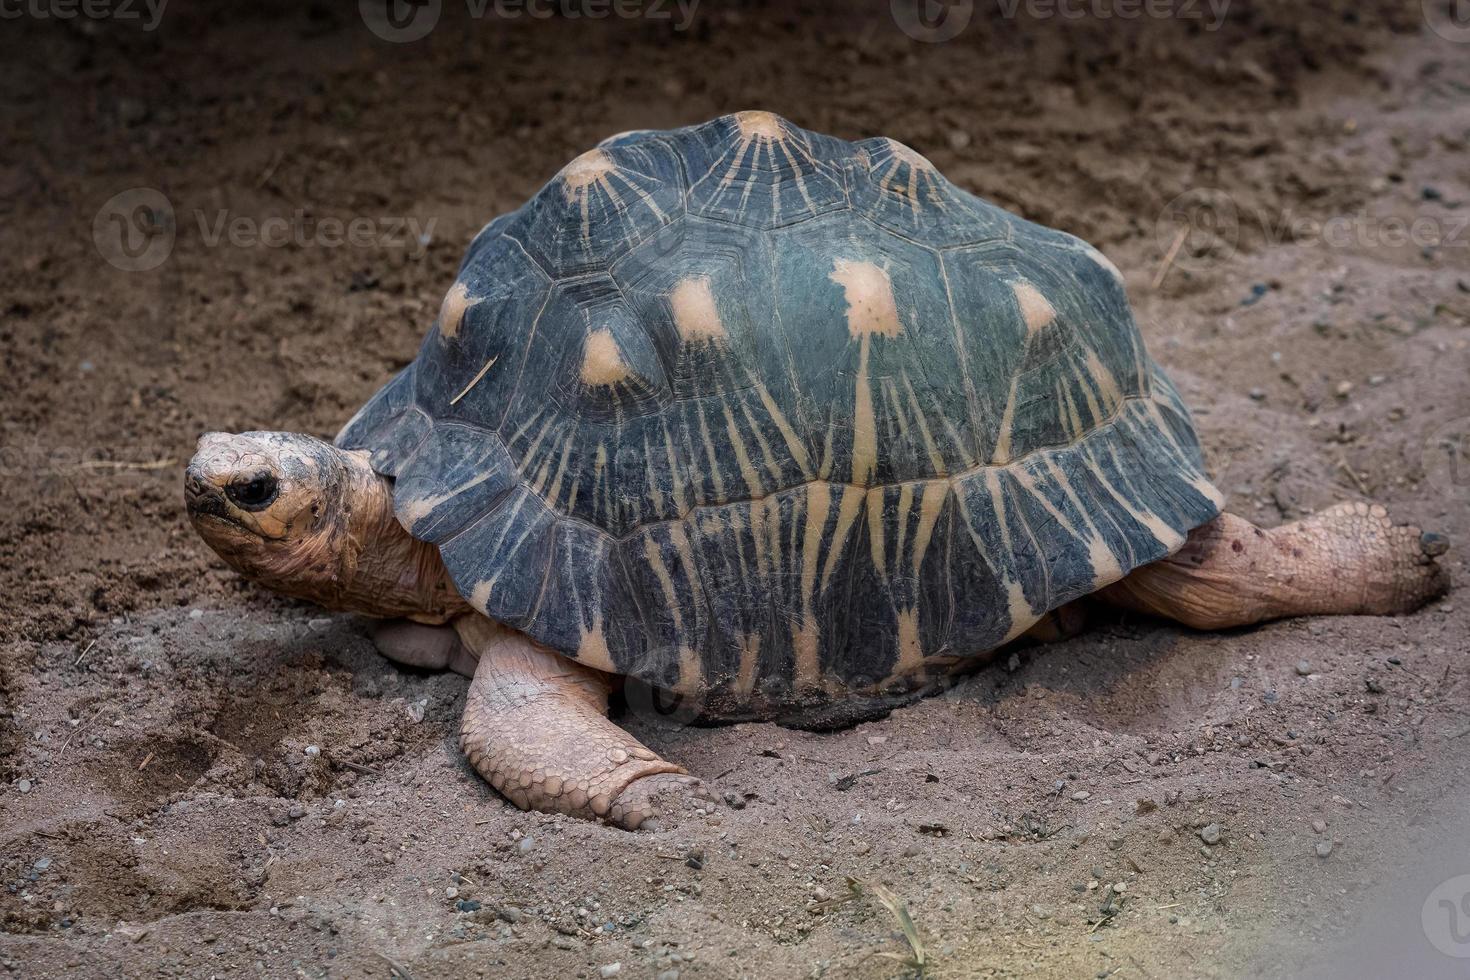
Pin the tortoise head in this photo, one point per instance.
(272, 505)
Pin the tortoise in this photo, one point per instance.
(788, 425)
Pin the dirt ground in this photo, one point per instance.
(198, 779)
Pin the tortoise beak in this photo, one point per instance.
(201, 497)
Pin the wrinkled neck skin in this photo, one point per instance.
(382, 570)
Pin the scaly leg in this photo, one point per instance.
(536, 726)
(1348, 559)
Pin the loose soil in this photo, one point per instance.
(199, 779)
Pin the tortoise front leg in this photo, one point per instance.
(536, 727)
(1348, 559)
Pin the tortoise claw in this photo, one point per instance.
(1434, 544)
(659, 802)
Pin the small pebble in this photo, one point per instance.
(196, 613)
(1303, 668)
(23, 785)
(1324, 848)
(42, 864)
(525, 844)
(313, 751)
(1210, 834)
(1081, 795)
(1320, 826)
(296, 812)
(610, 970)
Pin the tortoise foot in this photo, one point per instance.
(536, 727)
(1373, 566)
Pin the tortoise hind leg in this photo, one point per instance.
(1348, 559)
(535, 726)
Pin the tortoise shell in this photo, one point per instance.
(744, 410)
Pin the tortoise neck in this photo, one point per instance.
(383, 570)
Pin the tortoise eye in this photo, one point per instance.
(257, 494)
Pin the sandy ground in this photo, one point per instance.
(198, 779)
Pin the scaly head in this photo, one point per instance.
(276, 506)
